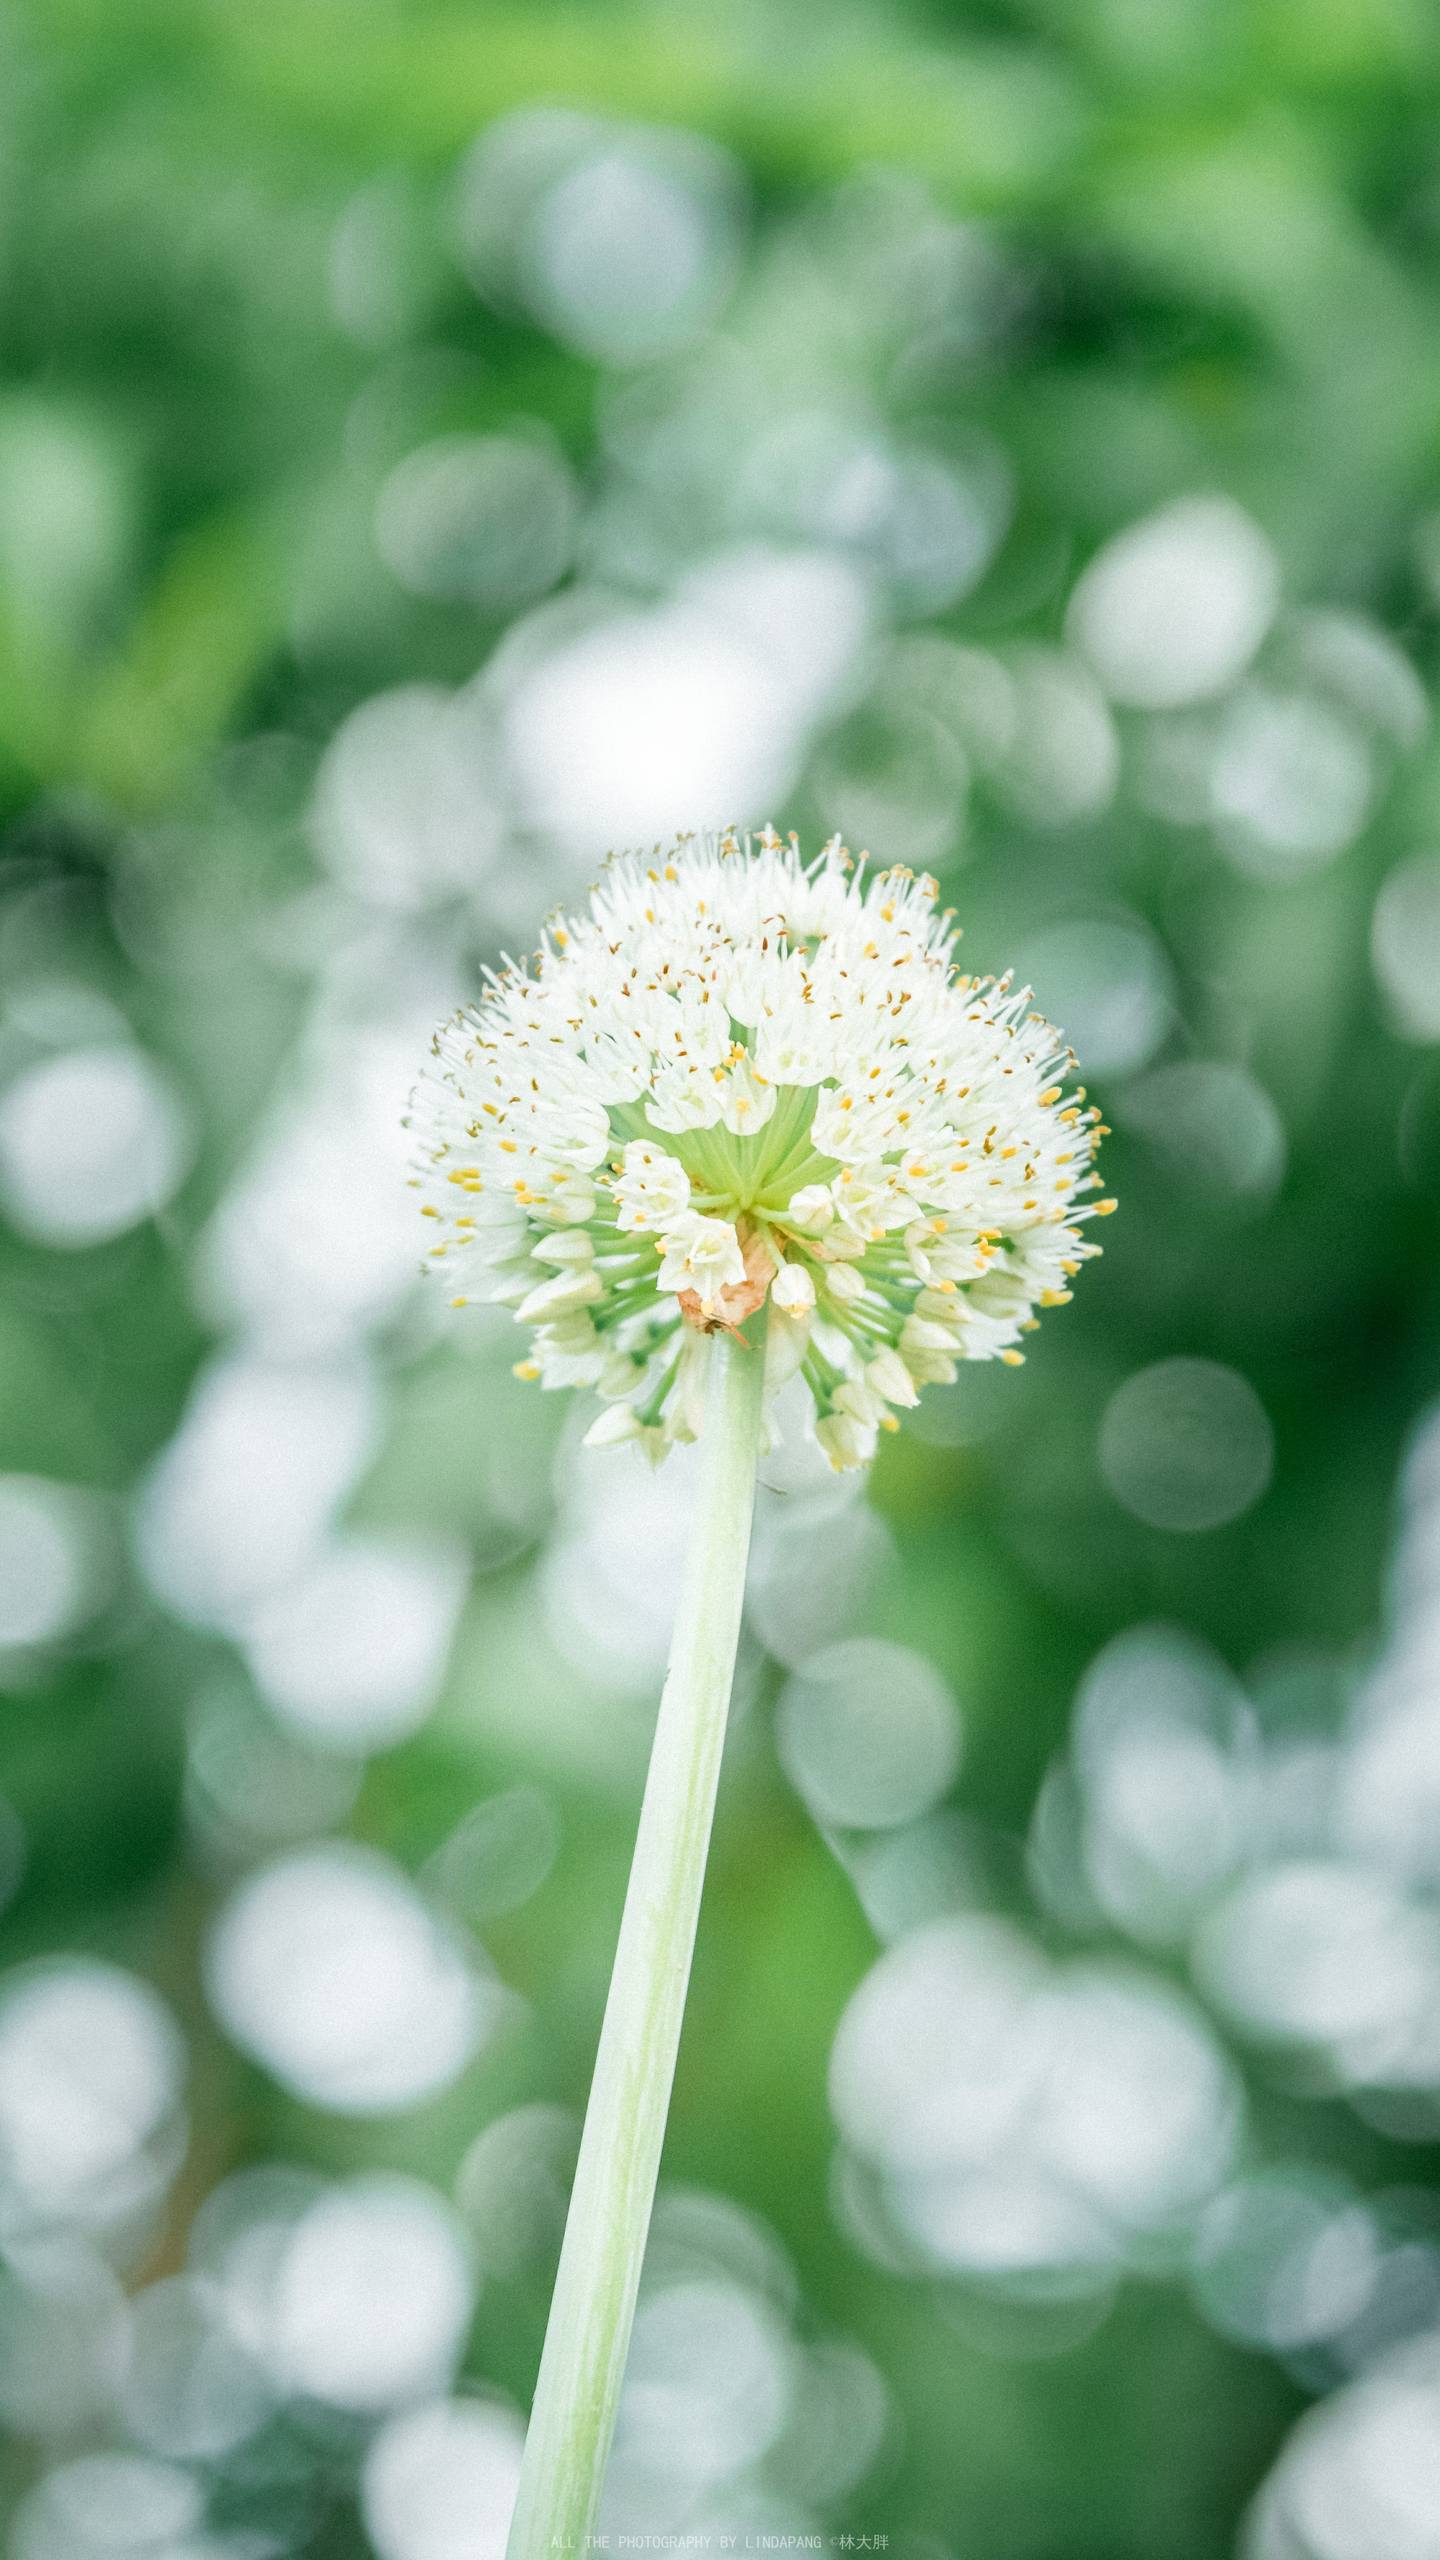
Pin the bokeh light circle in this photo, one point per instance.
(1108, 980)
(868, 1733)
(489, 519)
(91, 1142)
(373, 2296)
(1356, 2480)
(1213, 1126)
(1405, 943)
(1174, 608)
(111, 2506)
(329, 1968)
(440, 2481)
(1186, 1445)
(91, 2069)
(47, 1581)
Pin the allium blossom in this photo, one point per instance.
(739, 1078)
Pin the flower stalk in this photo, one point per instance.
(593, 2305)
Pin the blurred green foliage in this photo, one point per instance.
(235, 294)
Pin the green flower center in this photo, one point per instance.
(755, 1176)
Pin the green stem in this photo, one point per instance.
(593, 2305)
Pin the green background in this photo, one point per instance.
(1197, 249)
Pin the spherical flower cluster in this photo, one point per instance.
(739, 1079)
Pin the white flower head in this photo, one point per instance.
(737, 1077)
